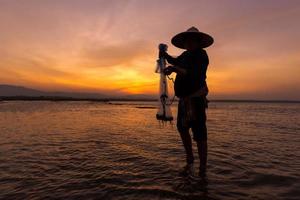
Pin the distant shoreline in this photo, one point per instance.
(50, 98)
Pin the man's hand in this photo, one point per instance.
(163, 54)
(169, 70)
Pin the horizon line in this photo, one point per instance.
(66, 98)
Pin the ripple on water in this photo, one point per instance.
(82, 150)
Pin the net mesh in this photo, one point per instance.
(164, 112)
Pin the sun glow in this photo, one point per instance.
(111, 47)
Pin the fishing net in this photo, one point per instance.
(164, 112)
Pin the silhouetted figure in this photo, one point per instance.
(191, 89)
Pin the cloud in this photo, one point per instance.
(99, 44)
(101, 55)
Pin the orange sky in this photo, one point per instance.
(111, 46)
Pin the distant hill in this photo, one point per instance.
(20, 92)
(11, 91)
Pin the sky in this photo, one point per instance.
(110, 47)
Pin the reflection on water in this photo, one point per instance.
(94, 150)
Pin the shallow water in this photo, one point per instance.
(89, 150)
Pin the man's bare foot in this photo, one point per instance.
(202, 171)
(188, 170)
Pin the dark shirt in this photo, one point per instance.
(195, 63)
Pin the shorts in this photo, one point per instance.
(197, 123)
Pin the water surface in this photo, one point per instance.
(90, 150)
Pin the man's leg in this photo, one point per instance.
(202, 151)
(187, 143)
(200, 133)
(184, 132)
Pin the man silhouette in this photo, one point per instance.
(191, 89)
